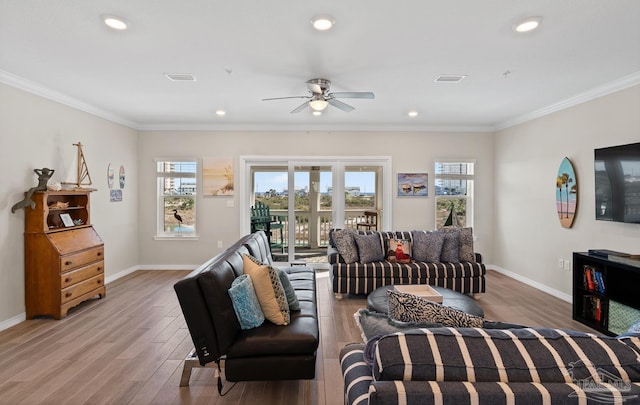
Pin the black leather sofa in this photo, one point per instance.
(268, 352)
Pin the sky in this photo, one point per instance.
(278, 181)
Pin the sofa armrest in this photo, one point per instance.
(356, 373)
(478, 257)
(333, 256)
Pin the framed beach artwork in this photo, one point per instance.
(217, 176)
(413, 184)
(566, 193)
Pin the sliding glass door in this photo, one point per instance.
(308, 197)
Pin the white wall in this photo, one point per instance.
(411, 152)
(515, 219)
(528, 238)
(36, 132)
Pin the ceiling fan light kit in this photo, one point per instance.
(318, 104)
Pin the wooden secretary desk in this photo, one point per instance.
(64, 263)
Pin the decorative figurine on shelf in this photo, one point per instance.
(44, 175)
(83, 177)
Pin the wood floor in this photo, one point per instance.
(129, 348)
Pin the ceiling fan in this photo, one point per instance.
(320, 97)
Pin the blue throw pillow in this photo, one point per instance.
(245, 302)
(289, 292)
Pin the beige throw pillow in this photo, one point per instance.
(269, 290)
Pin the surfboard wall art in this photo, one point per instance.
(566, 193)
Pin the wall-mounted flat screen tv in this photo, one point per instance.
(617, 173)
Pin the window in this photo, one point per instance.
(177, 187)
(454, 193)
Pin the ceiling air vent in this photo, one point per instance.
(449, 78)
(180, 77)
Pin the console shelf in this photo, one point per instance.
(605, 293)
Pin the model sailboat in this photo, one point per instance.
(83, 176)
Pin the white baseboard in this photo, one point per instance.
(168, 266)
(132, 269)
(6, 324)
(120, 274)
(539, 286)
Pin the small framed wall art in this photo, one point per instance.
(413, 184)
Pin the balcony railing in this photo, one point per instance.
(316, 234)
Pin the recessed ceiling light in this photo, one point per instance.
(317, 113)
(221, 113)
(412, 113)
(114, 22)
(528, 24)
(322, 22)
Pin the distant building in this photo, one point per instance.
(353, 191)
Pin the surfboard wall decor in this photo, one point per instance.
(566, 193)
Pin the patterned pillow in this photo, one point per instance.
(411, 308)
(373, 324)
(245, 302)
(467, 254)
(427, 246)
(369, 248)
(346, 245)
(451, 248)
(271, 296)
(289, 292)
(398, 250)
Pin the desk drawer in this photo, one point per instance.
(73, 277)
(81, 288)
(73, 261)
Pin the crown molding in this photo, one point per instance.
(45, 92)
(608, 88)
(42, 91)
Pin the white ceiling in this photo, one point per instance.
(245, 50)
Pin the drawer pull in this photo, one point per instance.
(99, 253)
(68, 280)
(68, 263)
(99, 269)
(69, 294)
(98, 281)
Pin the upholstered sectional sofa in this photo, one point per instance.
(444, 258)
(492, 366)
(270, 351)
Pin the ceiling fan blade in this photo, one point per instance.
(339, 104)
(282, 98)
(300, 107)
(353, 94)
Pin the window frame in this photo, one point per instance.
(469, 197)
(160, 233)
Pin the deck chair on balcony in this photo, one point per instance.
(370, 221)
(262, 220)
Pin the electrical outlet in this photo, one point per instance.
(219, 243)
(561, 263)
(567, 265)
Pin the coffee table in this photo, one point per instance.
(378, 301)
